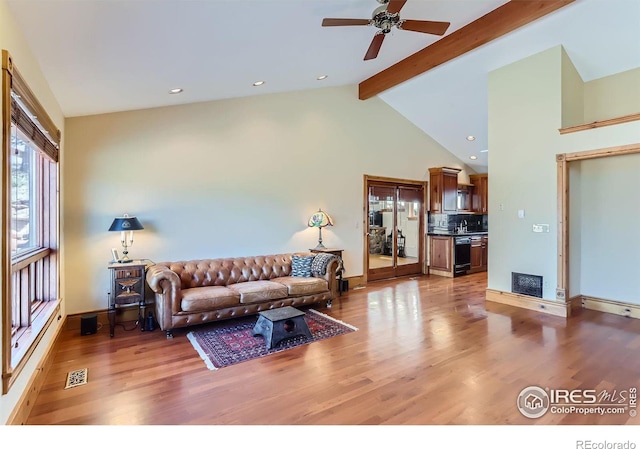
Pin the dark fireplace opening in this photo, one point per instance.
(526, 284)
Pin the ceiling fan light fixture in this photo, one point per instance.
(384, 20)
(385, 17)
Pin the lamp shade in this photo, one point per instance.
(125, 223)
(320, 219)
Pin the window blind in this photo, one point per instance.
(27, 125)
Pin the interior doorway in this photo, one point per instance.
(574, 300)
(394, 217)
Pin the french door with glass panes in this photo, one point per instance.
(394, 243)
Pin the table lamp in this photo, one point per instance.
(126, 225)
(319, 220)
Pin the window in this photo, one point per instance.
(30, 221)
(22, 192)
(33, 177)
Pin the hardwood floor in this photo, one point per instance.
(429, 350)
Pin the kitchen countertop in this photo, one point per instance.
(457, 234)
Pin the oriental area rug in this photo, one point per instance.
(228, 343)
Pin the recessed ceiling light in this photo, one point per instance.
(258, 83)
(322, 77)
(470, 138)
(473, 158)
(177, 90)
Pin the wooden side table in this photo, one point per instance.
(127, 289)
(335, 252)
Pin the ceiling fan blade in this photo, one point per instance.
(344, 22)
(425, 26)
(374, 48)
(395, 6)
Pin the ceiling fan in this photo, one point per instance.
(385, 17)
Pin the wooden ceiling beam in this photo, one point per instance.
(502, 20)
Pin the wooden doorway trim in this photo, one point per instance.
(365, 217)
(563, 160)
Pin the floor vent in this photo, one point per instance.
(526, 284)
(76, 378)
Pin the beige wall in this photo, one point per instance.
(230, 178)
(525, 102)
(524, 117)
(600, 99)
(572, 93)
(12, 40)
(612, 96)
(606, 209)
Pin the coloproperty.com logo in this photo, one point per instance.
(534, 402)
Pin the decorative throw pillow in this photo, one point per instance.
(301, 266)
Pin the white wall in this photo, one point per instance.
(12, 40)
(231, 178)
(525, 102)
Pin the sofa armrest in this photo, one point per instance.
(334, 265)
(166, 284)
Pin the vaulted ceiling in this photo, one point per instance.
(114, 55)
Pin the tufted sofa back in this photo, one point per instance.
(222, 272)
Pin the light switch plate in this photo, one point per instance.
(540, 228)
(520, 213)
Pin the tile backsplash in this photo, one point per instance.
(449, 222)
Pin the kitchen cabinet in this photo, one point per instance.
(476, 253)
(485, 252)
(443, 252)
(441, 255)
(480, 195)
(479, 244)
(443, 190)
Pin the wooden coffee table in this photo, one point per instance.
(278, 324)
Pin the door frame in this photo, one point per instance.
(572, 301)
(365, 219)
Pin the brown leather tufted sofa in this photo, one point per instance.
(200, 291)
